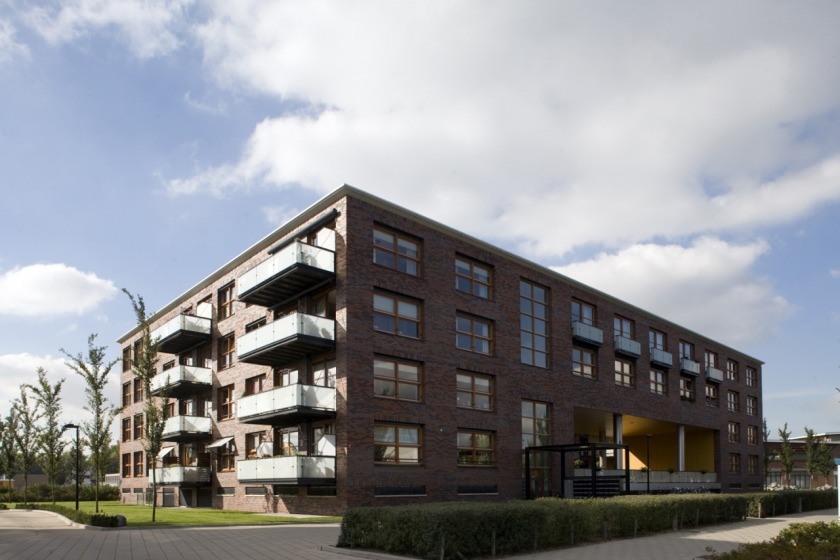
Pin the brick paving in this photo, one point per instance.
(44, 536)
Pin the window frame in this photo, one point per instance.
(226, 346)
(579, 366)
(138, 425)
(227, 457)
(732, 370)
(399, 319)
(401, 261)
(468, 280)
(686, 350)
(475, 338)
(532, 355)
(624, 378)
(624, 327)
(734, 463)
(256, 384)
(579, 315)
(688, 389)
(225, 403)
(658, 381)
(397, 444)
(657, 339)
(752, 435)
(733, 432)
(712, 394)
(473, 391)
(137, 464)
(138, 390)
(470, 453)
(733, 401)
(397, 379)
(752, 405)
(224, 301)
(535, 437)
(126, 393)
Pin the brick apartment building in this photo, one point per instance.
(362, 354)
(799, 476)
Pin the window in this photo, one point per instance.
(476, 448)
(126, 358)
(283, 377)
(227, 351)
(583, 313)
(126, 393)
(323, 372)
(752, 406)
(733, 431)
(752, 435)
(138, 463)
(225, 491)
(126, 465)
(732, 370)
(397, 444)
(322, 304)
(126, 429)
(584, 362)
(712, 396)
(657, 339)
(533, 324)
(226, 404)
(711, 359)
(254, 385)
(225, 301)
(624, 375)
(472, 278)
(535, 424)
(138, 426)
(259, 323)
(473, 334)
(687, 389)
(227, 457)
(686, 350)
(396, 315)
(658, 382)
(288, 442)
(138, 390)
(252, 442)
(733, 401)
(623, 327)
(474, 391)
(393, 250)
(734, 463)
(255, 490)
(752, 464)
(751, 376)
(396, 379)
(137, 349)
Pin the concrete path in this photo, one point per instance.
(36, 535)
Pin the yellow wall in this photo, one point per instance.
(699, 451)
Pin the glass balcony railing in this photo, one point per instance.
(661, 357)
(296, 400)
(714, 374)
(288, 338)
(689, 366)
(286, 468)
(587, 333)
(627, 346)
(182, 475)
(179, 377)
(195, 426)
(184, 331)
(291, 270)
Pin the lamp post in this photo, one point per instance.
(78, 466)
(647, 461)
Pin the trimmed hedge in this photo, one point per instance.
(470, 530)
(63, 493)
(93, 519)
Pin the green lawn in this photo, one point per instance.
(142, 515)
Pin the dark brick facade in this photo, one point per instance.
(573, 400)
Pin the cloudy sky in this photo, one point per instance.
(683, 156)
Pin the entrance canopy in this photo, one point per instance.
(600, 485)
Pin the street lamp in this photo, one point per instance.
(647, 461)
(76, 427)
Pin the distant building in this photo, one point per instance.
(799, 477)
(362, 354)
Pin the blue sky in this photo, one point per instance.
(684, 157)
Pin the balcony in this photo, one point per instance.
(587, 333)
(287, 339)
(292, 270)
(287, 405)
(175, 475)
(714, 374)
(181, 381)
(627, 346)
(187, 427)
(293, 469)
(661, 358)
(184, 331)
(689, 367)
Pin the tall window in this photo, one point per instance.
(624, 373)
(623, 327)
(752, 464)
(752, 435)
(126, 393)
(138, 389)
(126, 429)
(397, 444)
(138, 426)
(687, 389)
(474, 391)
(288, 442)
(712, 396)
(138, 463)
(584, 362)
(227, 456)
(732, 370)
(396, 315)
(397, 251)
(126, 358)
(711, 359)
(473, 334)
(533, 324)
(733, 401)
(734, 463)
(752, 406)
(323, 372)
(472, 277)
(126, 465)
(657, 339)
(226, 405)
(733, 431)
(252, 442)
(535, 424)
(686, 350)
(396, 379)
(225, 300)
(751, 377)
(658, 382)
(227, 351)
(583, 312)
(476, 448)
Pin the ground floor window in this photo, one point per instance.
(397, 444)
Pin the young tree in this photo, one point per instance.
(824, 461)
(145, 367)
(786, 453)
(810, 453)
(49, 444)
(8, 449)
(767, 456)
(94, 368)
(26, 434)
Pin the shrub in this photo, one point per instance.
(94, 519)
(799, 541)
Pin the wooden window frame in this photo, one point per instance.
(126, 358)
(137, 431)
(686, 350)
(395, 316)
(752, 435)
(137, 465)
(472, 393)
(138, 390)
(579, 309)
(252, 441)
(470, 280)
(752, 406)
(733, 401)
(533, 311)
(400, 260)
(126, 431)
(126, 393)
(227, 457)
(225, 301)
(126, 465)
(470, 339)
(688, 389)
(710, 359)
(529, 414)
(657, 339)
(400, 378)
(580, 366)
(622, 326)
(752, 464)
(226, 403)
(256, 384)
(226, 351)
(624, 373)
(324, 362)
(397, 444)
(733, 432)
(471, 453)
(732, 370)
(658, 382)
(712, 394)
(734, 463)
(751, 376)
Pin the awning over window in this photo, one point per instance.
(219, 442)
(165, 451)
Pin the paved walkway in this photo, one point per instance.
(38, 535)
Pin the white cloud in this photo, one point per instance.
(149, 27)
(278, 215)
(708, 287)
(10, 49)
(45, 290)
(834, 272)
(617, 124)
